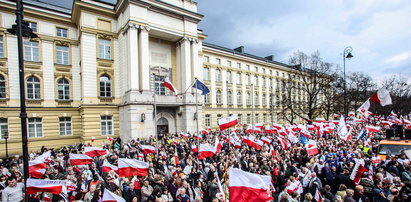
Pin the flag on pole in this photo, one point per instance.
(245, 186)
(94, 151)
(167, 83)
(36, 165)
(147, 149)
(357, 172)
(109, 196)
(205, 151)
(311, 148)
(373, 129)
(342, 129)
(381, 97)
(228, 122)
(131, 167)
(200, 86)
(79, 159)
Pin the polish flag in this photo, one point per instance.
(357, 172)
(236, 144)
(36, 165)
(107, 167)
(37, 173)
(38, 185)
(386, 123)
(167, 83)
(259, 125)
(320, 120)
(317, 196)
(406, 122)
(194, 148)
(277, 126)
(228, 122)
(70, 185)
(197, 137)
(252, 142)
(245, 186)
(176, 159)
(311, 148)
(147, 149)
(184, 135)
(381, 97)
(376, 159)
(205, 151)
(109, 196)
(268, 129)
(393, 114)
(44, 157)
(250, 129)
(204, 131)
(266, 140)
(132, 167)
(373, 129)
(79, 159)
(93, 138)
(310, 127)
(272, 151)
(94, 151)
(283, 143)
(342, 129)
(218, 146)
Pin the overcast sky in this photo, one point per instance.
(379, 31)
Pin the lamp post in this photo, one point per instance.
(346, 54)
(6, 136)
(21, 29)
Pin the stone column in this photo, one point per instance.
(144, 63)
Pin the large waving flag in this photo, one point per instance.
(167, 83)
(373, 129)
(147, 149)
(94, 151)
(79, 159)
(205, 151)
(51, 186)
(132, 167)
(200, 86)
(311, 148)
(107, 167)
(357, 172)
(36, 165)
(228, 122)
(382, 97)
(342, 129)
(109, 196)
(245, 186)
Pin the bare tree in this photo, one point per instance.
(306, 87)
(359, 88)
(400, 92)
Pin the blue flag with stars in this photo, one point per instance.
(200, 86)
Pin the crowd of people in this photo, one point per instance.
(176, 174)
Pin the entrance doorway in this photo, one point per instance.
(162, 127)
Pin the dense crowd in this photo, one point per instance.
(176, 174)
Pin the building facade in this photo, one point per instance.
(96, 70)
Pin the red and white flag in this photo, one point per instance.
(38, 185)
(357, 172)
(109, 196)
(392, 113)
(311, 148)
(259, 125)
(204, 131)
(197, 137)
(228, 122)
(381, 97)
(109, 138)
(252, 142)
(107, 167)
(283, 143)
(36, 165)
(79, 159)
(194, 148)
(245, 186)
(272, 151)
(94, 151)
(167, 83)
(132, 167)
(250, 129)
(184, 135)
(320, 120)
(266, 140)
(342, 130)
(37, 173)
(218, 146)
(205, 151)
(269, 129)
(147, 149)
(387, 123)
(373, 129)
(176, 159)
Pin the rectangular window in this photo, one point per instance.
(206, 74)
(263, 70)
(158, 85)
(239, 99)
(228, 75)
(247, 79)
(31, 51)
(219, 116)
(3, 127)
(263, 82)
(257, 118)
(256, 69)
(255, 78)
(218, 75)
(104, 49)
(62, 55)
(238, 65)
(229, 98)
(248, 67)
(264, 118)
(35, 127)
(1, 47)
(207, 98)
(239, 118)
(207, 120)
(248, 118)
(61, 32)
(218, 61)
(106, 123)
(65, 126)
(33, 26)
(238, 78)
(206, 59)
(229, 63)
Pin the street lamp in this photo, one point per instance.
(6, 137)
(21, 29)
(346, 54)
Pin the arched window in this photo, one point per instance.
(105, 86)
(2, 87)
(63, 89)
(248, 99)
(33, 88)
(218, 97)
(239, 100)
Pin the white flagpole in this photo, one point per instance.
(155, 116)
(196, 91)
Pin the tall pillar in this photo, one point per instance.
(144, 63)
(133, 58)
(185, 63)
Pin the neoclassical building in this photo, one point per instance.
(94, 70)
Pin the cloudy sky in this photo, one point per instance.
(379, 31)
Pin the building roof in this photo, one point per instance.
(46, 4)
(235, 51)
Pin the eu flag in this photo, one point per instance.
(304, 140)
(202, 87)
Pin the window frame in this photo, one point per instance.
(104, 121)
(239, 98)
(33, 23)
(229, 98)
(3, 86)
(218, 76)
(37, 124)
(102, 54)
(2, 48)
(4, 126)
(63, 52)
(206, 73)
(28, 45)
(61, 28)
(105, 92)
(34, 85)
(218, 97)
(65, 90)
(207, 120)
(66, 124)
